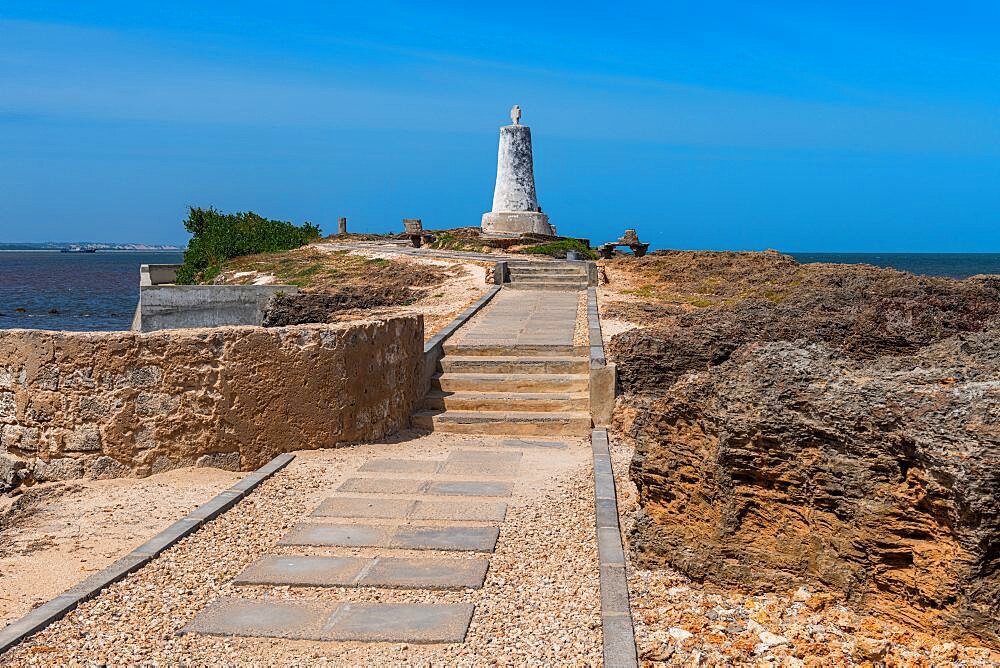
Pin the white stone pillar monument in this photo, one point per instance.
(515, 205)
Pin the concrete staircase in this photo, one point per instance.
(548, 276)
(523, 390)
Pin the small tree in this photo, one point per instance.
(217, 237)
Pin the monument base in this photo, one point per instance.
(517, 222)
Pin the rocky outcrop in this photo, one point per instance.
(312, 307)
(847, 434)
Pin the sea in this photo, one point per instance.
(73, 291)
(99, 291)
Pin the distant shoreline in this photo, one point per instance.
(101, 250)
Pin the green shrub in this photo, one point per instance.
(560, 248)
(216, 237)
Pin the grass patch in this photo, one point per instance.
(217, 237)
(559, 249)
(313, 270)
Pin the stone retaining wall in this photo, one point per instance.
(111, 404)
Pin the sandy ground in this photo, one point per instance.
(611, 291)
(57, 534)
(540, 604)
(440, 303)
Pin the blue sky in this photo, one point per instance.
(823, 126)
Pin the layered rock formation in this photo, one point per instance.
(819, 424)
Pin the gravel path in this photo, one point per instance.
(540, 603)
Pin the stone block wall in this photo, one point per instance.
(111, 404)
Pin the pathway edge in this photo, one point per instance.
(58, 607)
(603, 382)
(616, 614)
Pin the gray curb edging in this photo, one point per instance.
(602, 375)
(57, 608)
(596, 341)
(616, 615)
(438, 339)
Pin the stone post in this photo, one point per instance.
(342, 226)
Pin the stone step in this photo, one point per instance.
(554, 287)
(516, 275)
(504, 401)
(513, 364)
(384, 572)
(504, 422)
(548, 278)
(510, 382)
(539, 268)
(461, 349)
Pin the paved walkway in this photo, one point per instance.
(345, 520)
(474, 549)
(465, 493)
(522, 318)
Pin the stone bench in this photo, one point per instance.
(630, 239)
(414, 228)
(607, 251)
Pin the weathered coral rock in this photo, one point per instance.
(852, 441)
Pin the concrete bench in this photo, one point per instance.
(629, 239)
(607, 251)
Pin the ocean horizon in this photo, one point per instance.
(46, 289)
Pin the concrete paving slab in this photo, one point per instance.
(430, 573)
(480, 470)
(383, 486)
(456, 510)
(303, 571)
(488, 457)
(269, 619)
(485, 463)
(401, 622)
(525, 443)
(471, 539)
(364, 507)
(388, 465)
(343, 535)
(471, 488)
